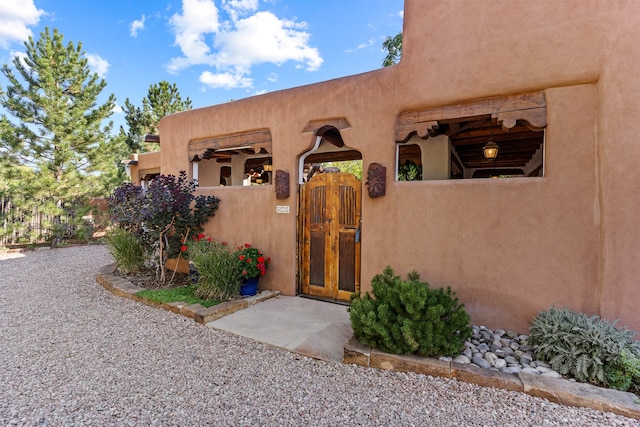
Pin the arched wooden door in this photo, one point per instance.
(330, 251)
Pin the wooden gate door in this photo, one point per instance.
(330, 241)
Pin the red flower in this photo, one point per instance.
(244, 272)
(225, 243)
(209, 239)
(249, 260)
(184, 248)
(241, 257)
(261, 259)
(200, 236)
(246, 245)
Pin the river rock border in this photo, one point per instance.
(556, 390)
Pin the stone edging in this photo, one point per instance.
(123, 288)
(556, 390)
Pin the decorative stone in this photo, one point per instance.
(491, 358)
(483, 346)
(478, 360)
(511, 370)
(499, 364)
(512, 334)
(511, 359)
(530, 371)
(462, 359)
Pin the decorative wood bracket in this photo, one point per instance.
(376, 180)
(529, 108)
(282, 184)
(251, 142)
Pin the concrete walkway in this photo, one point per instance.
(313, 328)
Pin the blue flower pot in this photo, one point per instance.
(249, 286)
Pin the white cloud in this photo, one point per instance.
(263, 37)
(401, 14)
(21, 56)
(136, 26)
(117, 109)
(16, 16)
(97, 64)
(225, 80)
(199, 17)
(273, 77)
(370, 42)
(235, 45)
(237, 8)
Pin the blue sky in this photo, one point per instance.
(214, 50)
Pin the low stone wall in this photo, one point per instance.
(122, 287)
(556, 390)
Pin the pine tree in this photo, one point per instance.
(57, 124)
(162, 99)
(393, 46)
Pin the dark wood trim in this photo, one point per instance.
(249, 142)
(505, 110)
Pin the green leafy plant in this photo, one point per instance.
(624, 373)
(252, 262)
(408, 317)
(183, 294)
(582, 347)
(127, 250)
(219, 272)
(409, 171)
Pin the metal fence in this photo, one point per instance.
(18, 226)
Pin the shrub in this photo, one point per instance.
(408, 317)
(585, 348)
(127, 250)
(124, 207)
(624, 374)
(218, 270)
(164, 215)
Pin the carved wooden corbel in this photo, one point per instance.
(282, 184)
(376, 180)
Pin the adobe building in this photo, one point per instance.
(554, 84)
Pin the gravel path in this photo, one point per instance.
(73, 354)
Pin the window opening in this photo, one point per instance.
(447, 142)
(229, 159)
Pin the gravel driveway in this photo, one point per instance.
(71, 353)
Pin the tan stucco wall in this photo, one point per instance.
(508, 247)
(146, 162)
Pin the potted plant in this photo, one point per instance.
(252, 265)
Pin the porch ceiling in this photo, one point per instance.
(517, 146)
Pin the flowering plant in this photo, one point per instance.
(251, 261)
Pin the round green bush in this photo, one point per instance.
(408, 317)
